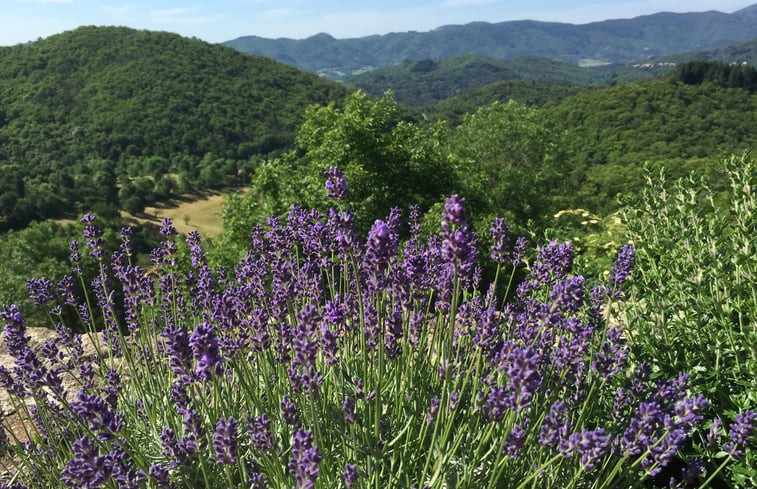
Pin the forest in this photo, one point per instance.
(381, 353)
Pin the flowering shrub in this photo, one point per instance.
(321, 361)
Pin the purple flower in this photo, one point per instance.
(622, 268)
(589, 445)
(556, 425)
(348, 408)
(160, 475)
(178, 349)
(500, 251)
(693, 470)
(519, 251)
(553, 262)
(87, 469)
(740, 432)
(94, 237)
(166, 227)
(289, 412)
(336, 185)
(15, 339)
(126, 237)
(206, 352)
(225, 441)
(514, 441)
(350, 475)
(98, 415)
(432, 409)
(303, 463)
(458, 242)
(260, 433)
(379, 249)
(41, 290)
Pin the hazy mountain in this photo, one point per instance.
(740, 52)
(610, 41)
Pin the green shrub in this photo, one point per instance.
(692, 304)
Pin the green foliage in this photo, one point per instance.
(722, 74)
(692, 302)
(611, 132)
(533, 94)
(426, 82)
(85, 111)
(388, 162)
(511, 162)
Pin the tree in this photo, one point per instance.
(511, 161)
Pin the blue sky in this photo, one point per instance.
(222, 20)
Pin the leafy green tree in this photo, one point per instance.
(387, 161)
(511, 162)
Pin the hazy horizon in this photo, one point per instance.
(224, 20)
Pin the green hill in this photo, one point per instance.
(610, 41)
(87, 115)
(611, 132)
(427, 81)
(739, 53)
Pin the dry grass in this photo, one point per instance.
(189, 213)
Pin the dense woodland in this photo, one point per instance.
(108, 118)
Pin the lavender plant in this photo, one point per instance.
(321, 361)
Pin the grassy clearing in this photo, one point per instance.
(200, 213)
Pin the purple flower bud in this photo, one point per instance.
(432, 409)
(348, 408)
(500, 250)
(336, 185)
(206, 352)
(166, 227)
(623, 265)
(41, 290)
(589, 445)
(259, 430)
(225, 441)
(289, 412)
(350, 475)
(303, 464)
(740, 432)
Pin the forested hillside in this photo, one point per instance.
(426, 82)
(612, 131)
(105, 117)
(740, 52)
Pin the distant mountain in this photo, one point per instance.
(740, 52)
(104, 106)
(610, 41)
(427, 82)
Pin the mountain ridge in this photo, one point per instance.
(608, 41)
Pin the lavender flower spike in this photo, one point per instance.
(740, 432)
(336, 185)
(225, 441)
